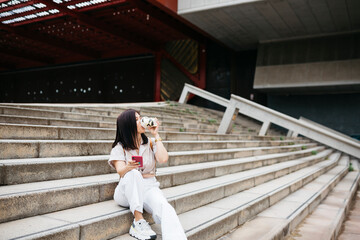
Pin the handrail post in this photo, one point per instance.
(289, 133)
(264, 128)
(298, 127)
(184, 95)
(292, 134)
(228, 118)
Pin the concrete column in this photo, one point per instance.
(264, 128)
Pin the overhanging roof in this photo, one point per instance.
(242, 24)
(44, 32)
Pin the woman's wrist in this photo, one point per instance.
(157, 138)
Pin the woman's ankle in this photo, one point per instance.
(138, 216)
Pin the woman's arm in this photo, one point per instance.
(122, 167)
(161, 154)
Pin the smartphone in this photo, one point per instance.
(138, 159)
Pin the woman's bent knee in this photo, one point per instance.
(132, 174)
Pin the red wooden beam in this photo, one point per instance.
(123, 52)
(158, 10)
(158, 28)
(6, 64)
(170, 4)
(27, 56)
(59, 44)
(202, 66)
(162, 13)
(98, 26)
(157, 82)
(128, 23)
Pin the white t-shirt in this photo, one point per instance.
(117, 153)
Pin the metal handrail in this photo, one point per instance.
(268, 116)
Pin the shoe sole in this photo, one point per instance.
(137, 235)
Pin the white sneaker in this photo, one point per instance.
(142, 230)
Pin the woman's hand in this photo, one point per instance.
(122, 168)
(130, 165)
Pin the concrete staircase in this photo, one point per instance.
(56, 184)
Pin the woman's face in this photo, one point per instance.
(140, 129)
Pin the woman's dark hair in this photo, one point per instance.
(126, 130)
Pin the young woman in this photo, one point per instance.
(138, 188)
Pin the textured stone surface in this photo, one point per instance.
(208, 206)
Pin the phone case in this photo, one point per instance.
(138, 159)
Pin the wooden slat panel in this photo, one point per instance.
(303, 11)
(250, 30)
(287, 14)
(353, 7)
(250, 12)
(272, 17)
(322, 13)
(339, 14)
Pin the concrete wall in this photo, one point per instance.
(315, 74)
(340, 112)
(322, 62)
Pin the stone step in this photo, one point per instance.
(115, 111)
(41, 169)
(350, 228)
(86, 119)
(20, 131)
(193, 128)
(328, 217)
(18, 201)
(171, 115)
(78, 123)
(106, 220)
(188, 120)
(183, 109)
(38, 106)
(176, 107)
(19, 111)
(198, 156)
(165, 126)
(216, 219)
(67, 108)
(283, 217)
(53, 122)
(11, 149)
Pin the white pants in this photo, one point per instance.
(140, 193)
